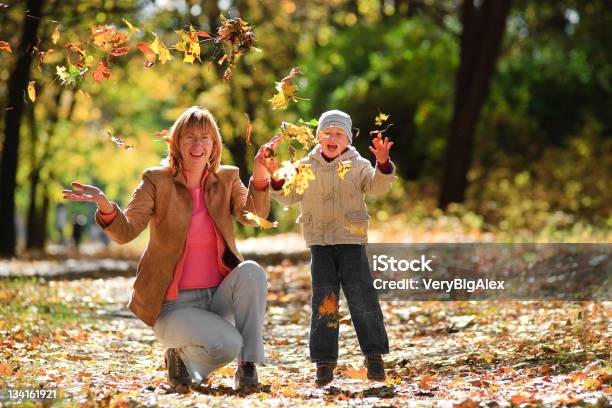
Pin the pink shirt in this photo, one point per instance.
(200, 264)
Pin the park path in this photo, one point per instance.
(78, 335)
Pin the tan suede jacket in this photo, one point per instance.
(333, 211)
(162, 200)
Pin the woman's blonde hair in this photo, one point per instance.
(199, 118)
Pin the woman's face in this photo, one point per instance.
(196, 145)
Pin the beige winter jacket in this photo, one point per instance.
(333, 211)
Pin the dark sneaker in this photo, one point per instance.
(376, 367)
(246, 375)
(325, 373)
(177, 371)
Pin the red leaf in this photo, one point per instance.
(204, 34)
(101, 72)
(116, 52)
(144, 47)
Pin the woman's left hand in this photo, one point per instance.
(381, 148)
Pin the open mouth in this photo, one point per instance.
(332, 147)
(197, 155)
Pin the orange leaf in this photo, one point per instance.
(204, 34)
(101, 72)
(468, 403)
(249, 129)
(5, 369)
(329, 305)
(520, 399)
(426, 382)
(162, 133)
(360, 374)
(4, 46)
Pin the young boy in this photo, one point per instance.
(334, 222)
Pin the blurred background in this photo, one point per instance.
(501, 109)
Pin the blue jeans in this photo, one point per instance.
(346, 265)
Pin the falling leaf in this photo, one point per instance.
(101, 72)
(144, 47)
(296, 175)
(237, 38)
(107, 38)
(249, 129)
(360, 374)
(116, 52)
(132, 29)
(158, 47)
(380, 118)
(84, 93)
(343, 168)
(329, 306)
(32, 91)
(302, 133)
(286, 91)
(261, 222)
(162, 133)
(4, 46)
(189, 45)
(119, 142)
(55, 36)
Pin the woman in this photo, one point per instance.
(204, 302)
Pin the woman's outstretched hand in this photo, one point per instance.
(90, 194)
(265, 162)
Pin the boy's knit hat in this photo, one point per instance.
(336, 118)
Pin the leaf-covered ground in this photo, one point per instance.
(77, 335)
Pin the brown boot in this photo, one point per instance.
(325, 373)
(177, 372)
(376, 367)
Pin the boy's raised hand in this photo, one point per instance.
(381, 148)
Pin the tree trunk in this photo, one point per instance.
(17, 84)
(483, 28)
(35, 234)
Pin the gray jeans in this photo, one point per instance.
(213, 326)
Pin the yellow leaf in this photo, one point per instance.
(356, 229)
(133, 29)
(380, 118)
(160, 49)
(296, 176)
(32, 91)
(55, 36)
(189, 44)
(286, 91)
(343, 168)
(61, 72)
(360, 374)
(261, 222)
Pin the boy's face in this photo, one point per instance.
(333, 141)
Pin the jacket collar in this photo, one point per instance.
(208, 179)
(315, 154)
